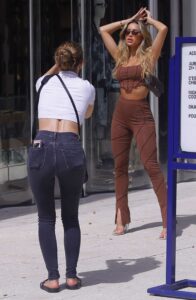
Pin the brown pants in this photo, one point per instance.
(134, 118)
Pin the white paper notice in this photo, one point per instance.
(188, 98)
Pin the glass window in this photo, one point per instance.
(14, 101)
(99, 66)
(57, 21)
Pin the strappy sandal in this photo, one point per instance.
(74, 286)
(48, 289)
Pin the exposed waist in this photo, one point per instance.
(58, 125)
(135, 94)
(46, 136)
(139, 100)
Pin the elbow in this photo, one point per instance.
(165, 29)
(101, 30)
(87, 116)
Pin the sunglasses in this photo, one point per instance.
(132, 32)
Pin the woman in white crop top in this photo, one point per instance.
(57, 152)
(55, 111)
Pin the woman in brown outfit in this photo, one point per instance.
(135, 56)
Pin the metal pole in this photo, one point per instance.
(83, 19)
(172, 176)
(31, 69)
(175, 23)
(72, 20)
(153, 7)
(189, 20)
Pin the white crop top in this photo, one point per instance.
(54, 102)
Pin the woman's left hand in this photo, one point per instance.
(148, 17)
(140, 15)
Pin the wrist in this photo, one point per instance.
(121, 24)
(125, 22)
(151, 21)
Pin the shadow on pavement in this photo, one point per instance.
(145, 226)
(119, 270)
(15, 211)
(183, 222)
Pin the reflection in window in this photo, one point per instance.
(99, 71)
(14, 96)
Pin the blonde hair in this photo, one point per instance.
(143, 52)
(68, 56)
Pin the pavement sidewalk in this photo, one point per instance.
(115, 268)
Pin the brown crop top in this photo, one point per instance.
(130, 77)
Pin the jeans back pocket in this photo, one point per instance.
(36, 157)
(73, 158)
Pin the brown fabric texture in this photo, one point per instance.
(133, 118)
(130, 77)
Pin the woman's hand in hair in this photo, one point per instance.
(54, 70)
(148, 18)
(140, 15)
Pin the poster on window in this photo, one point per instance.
(188, 98)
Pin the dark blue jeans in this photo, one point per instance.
(60, 155)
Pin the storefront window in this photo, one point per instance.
(55, 21)
(99, 71)
(14, 101)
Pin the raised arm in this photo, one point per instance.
(160, 37)
(106, 31)
(53, 70)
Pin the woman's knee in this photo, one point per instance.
(47, 219)
(70, 221)
(120, 171)
(152, 167)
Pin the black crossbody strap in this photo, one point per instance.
(72, 101)
(43, 82)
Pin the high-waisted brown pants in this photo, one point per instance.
(133, 118)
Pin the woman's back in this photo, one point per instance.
(55, 103)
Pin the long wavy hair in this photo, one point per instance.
(143, 52)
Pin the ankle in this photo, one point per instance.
(163, 234)
(119, 226)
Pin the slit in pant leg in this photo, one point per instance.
(121, 137)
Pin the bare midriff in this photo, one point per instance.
(138, 93)
(58, 125)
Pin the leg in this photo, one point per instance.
(145, 136)
(42, 185)
(121, 140)
(70, 181)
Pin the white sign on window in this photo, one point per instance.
(188, 98)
